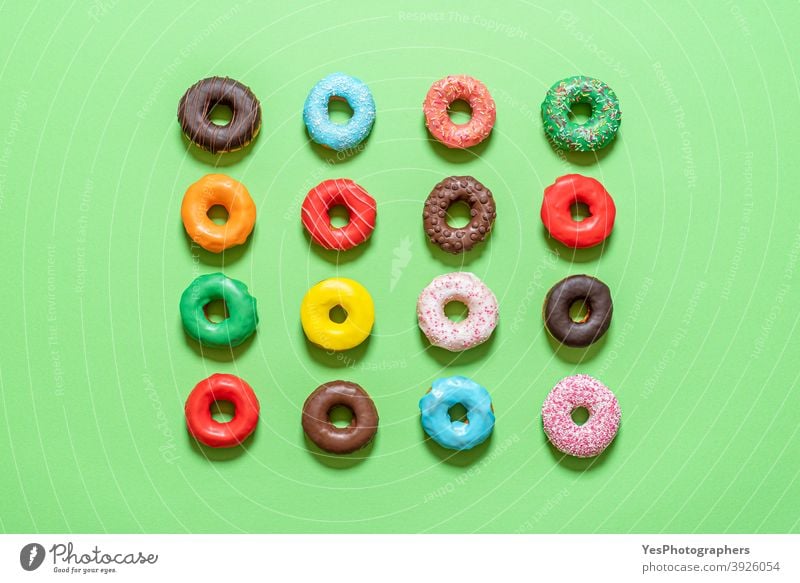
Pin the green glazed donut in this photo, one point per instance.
(598, 131)
(241, 307)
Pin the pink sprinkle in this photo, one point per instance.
(591, 438)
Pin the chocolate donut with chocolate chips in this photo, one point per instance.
(194, 114)
(317, 423)
(482, 213)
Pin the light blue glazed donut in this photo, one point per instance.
(328, 133)
(435, 407)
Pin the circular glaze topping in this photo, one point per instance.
(435, 409)
(556, 211)
(601, 127)
(328, 294)
(339, 440)
(222, 190)
(439, 98)
(462, 287)
(591, 438)
(482, 213)
(315, 214)
(597, 300)
(194, 114)
(221, 387)
(240, 305)
(328, 133)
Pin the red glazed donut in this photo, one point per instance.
(328, 194)
(221, 387)
(557, 215)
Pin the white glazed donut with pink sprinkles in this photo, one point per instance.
(462, 287)
(591, 438)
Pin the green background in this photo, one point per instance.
(703, 267)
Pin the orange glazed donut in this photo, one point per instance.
(218, 190)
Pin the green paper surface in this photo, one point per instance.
(702, 264)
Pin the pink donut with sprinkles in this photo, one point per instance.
(473, 330)
(453, 88)
(591, 438)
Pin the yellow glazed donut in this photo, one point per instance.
(353, 298)
(222, 190)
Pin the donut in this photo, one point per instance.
(194, 114)
(328, 133)
(240, 305)
(315, 214)
(221, 387)
(439, 98)
(557, 213)
(462, 287)
(316, 417)
(596, 298)
(591, 438)
(596, 132)
(212, 190)
(444, 394)
(482, 211)
(317, 304)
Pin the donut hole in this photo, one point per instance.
(339, 216)
(340, 416)
(580, 415)
(216, 311)
(460, 112)
(456, 311)
(222, 411)
(218, 214)
(339, 111)
(579, 311)
(459, 215)
(337, 314)
(458, 413)
(220, 115)
(579, 211)
(580, 112)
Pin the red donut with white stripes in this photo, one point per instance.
(360, 206)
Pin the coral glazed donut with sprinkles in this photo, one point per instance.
(441, 96)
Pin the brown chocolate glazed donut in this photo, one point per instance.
(482, 210)
(596, 298)
(195, 108)
(317, 423)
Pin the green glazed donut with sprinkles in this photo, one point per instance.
(596, 132)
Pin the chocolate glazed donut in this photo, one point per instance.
(317, 423)
(195, 108)
(596, 298)
(482, 213)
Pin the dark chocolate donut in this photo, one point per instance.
(482, 210)
(195, 108)
(596, 297)
(317, 423)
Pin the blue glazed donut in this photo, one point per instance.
(435, 407)
(328, 133)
